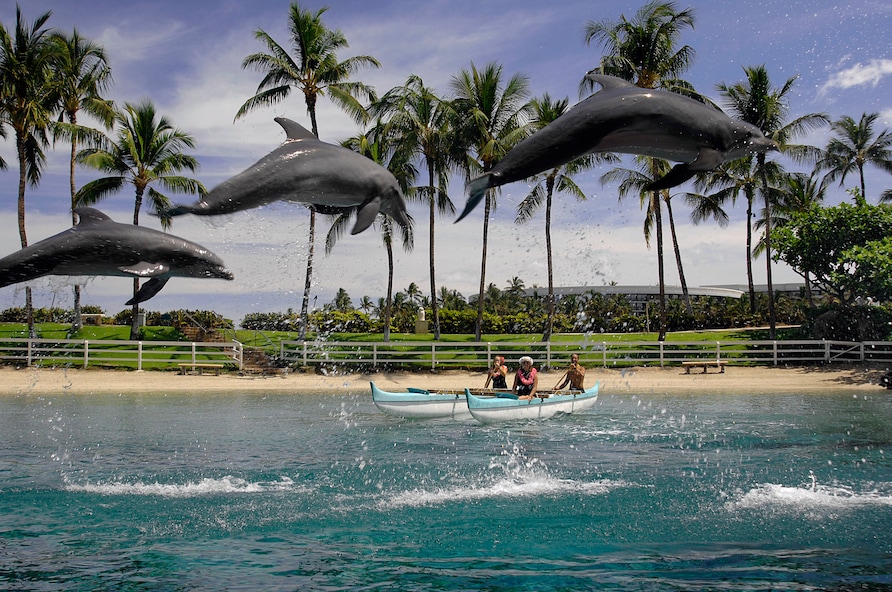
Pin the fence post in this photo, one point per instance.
(29, 353)
(375, 355)
(305, 353)
(433, 355)
(604, 352)
(86, 353)
(193, 355)
(548, 354)
(826, 351)
(139, 356)
(774, 349)
(718, 351)
(661, 354)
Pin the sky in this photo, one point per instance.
(186, 57)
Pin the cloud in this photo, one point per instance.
(859, 75)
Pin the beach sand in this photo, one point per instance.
(45, 381)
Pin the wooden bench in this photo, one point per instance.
(200, 367)
(705, 364)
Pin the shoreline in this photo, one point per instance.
(635, 380)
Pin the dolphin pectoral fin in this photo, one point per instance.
(678, 175)
(149, 289)
(143, 269)
(476, 190)
(366, 214)
(608, 82)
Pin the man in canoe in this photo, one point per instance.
(498, 374)
(574, 375)
(526, 381)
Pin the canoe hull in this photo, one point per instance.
(419, 405)
(495, 409)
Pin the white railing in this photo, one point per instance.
(441, 355)
(134, 354)
(446, 355)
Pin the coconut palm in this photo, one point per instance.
(856, 145)
(312, 68)
(421, 122)
(645, 51)
(757, 102)
(491, 120)
(375, 145)
(28, 99)
(544, 111)
(83, 74)
(147, 153)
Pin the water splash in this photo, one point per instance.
(203, 487)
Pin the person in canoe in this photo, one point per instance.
(498, 374)
(526, 381)
(574, 375)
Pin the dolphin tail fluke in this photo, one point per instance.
(678, 175)
(476, 190)
(149, 289)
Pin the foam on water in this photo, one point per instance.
(814, 497)
(207, 486)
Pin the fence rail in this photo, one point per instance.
(443, 355)
(130, 354)
(440, 355)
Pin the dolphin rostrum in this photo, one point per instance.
(97, 245)
(627, 119)
(303, 169)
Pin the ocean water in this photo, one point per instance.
(308, 491)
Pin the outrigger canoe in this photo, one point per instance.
(506, 407)
(422, 404)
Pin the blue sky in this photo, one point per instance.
(186, 57)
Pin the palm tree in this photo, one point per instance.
(491, 116)
(28, 99)
(83, 74)
(544, 111)
(313, 69)
(148, 152)
(645, 50)
(421, 122)
(375, 145)
(757, 102)
(856, 144)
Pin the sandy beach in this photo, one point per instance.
(44, 381)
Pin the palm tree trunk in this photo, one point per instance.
(76, 323)
(388, 306)
(684, 283)
(749, 254)
(478, 328)
(23, 236)
(435, 310)
(661, 268)
(772, 313)
(549, 322)
(305, 302)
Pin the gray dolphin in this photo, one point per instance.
(97, 245)
(626, 119)
(305, 170)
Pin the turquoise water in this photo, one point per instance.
(323, 492)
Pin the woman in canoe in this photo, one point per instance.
(526, 381)
(498, 374)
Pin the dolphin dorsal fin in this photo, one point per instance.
(608, 82)
(90, 216)
(294, 130)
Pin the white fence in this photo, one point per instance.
(441, 355)
(445, 355)
(133, 354)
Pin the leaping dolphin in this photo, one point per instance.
(305, 170)
(97, 245)
(628, 119)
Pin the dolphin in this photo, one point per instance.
(97, 245)
(627, 119)
(330, 178)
